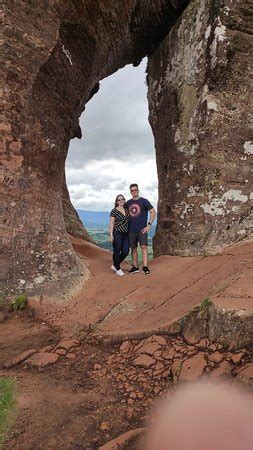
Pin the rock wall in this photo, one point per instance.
(73, 223)
(56, 53)
(198, 78)
(198, 92)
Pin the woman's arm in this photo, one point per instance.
(111, 225)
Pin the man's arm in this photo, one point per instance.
(152, 216)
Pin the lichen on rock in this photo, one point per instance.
(199, 109)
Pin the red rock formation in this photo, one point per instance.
(199, 103)
(56, 53)
(74, 225)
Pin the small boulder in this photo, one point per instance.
(169, 354)
(48, 348)
(216, 357)
(245, 374)
(41, 360)
(104, 426)
(160, 340)
(122, 440)
(97, 367)
(20, 358)
(237, 357)
(212, 347)
(67, 344)
(125, 347)
(129, 412)
(223, 370)
(149, 347)
(203, 343)
(195, 327)
(61, 351)
(192, 368)
(144, 361)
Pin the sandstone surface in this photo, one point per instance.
(42, 359)
(56, 54)
(99, 396)
(178, 295)
(199, 101)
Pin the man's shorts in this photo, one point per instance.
(135, 237)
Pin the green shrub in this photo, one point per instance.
(19, 302)
(205, 303)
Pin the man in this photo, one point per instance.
(139, 208)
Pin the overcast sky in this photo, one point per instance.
(117, 147)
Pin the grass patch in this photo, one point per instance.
(9, 304)
(19, 302)
(7, 405)
(205, 303)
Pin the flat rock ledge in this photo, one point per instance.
(232, 328)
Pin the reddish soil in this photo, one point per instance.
(93, 393)
(75, 392)
(138, 305)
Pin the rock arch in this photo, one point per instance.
(56, 53)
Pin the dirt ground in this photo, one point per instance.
(72, 404)
(92, 368)
(94, 393)
(134, 305)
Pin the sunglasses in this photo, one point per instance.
(134, 190)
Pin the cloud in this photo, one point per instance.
(117, 146)
(98, 193)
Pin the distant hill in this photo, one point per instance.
(94, 219)
(99, 220)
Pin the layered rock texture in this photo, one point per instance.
(198, 81)
(56, 53)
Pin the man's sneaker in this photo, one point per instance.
(134, 270)
(113, 268)
(146, 270)
(120, 272)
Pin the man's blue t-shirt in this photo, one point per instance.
(138, 210)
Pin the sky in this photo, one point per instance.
(117, 147)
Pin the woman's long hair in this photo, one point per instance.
(125, 205)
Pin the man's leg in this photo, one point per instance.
(143, 239)
(135, 257)
(144, 251)
(133, 240)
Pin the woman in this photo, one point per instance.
(118, 229)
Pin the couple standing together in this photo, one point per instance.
(128, 226)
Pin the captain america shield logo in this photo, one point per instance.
(135, 210)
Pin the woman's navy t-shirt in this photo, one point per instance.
(138, 210)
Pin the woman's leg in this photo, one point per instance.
(125, 247)
(117, 246)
